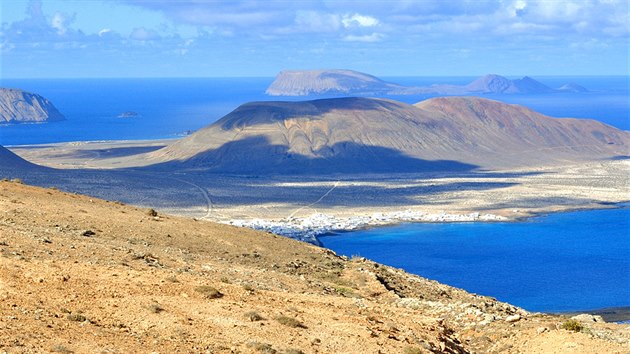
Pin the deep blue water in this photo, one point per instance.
(169, 108)
(560, 262)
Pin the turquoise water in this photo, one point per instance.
(561, 262)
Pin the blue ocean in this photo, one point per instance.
(570, 261)
(171, 108)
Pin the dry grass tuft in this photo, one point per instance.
(209, 292)
(290, 322)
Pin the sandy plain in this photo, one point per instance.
(334, 201)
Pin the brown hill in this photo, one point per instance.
(84, 275)
(356, 135)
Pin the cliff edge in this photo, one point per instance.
(17, 106)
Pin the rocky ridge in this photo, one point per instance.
(349, 82)
(85, 275)
(363, 135)
(17, 106)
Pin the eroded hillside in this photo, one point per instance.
(83, 275)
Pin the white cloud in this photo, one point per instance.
(357, 20)
(143, 34)
(60, 23)
(313, 21)
(368, 38)
(104, 32)
(6, 47)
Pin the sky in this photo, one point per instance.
(248, 38)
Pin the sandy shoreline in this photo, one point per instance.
(314, 205)
(311, 227)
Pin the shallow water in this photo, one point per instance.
(561, 262)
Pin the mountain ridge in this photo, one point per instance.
(18, 106)
(349, 82)
(333, 81)
(353, 135)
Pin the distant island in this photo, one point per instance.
(17, 106)
(128, 114)
(349, 82)
(314, 82)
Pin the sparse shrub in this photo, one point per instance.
(156, 308)
(152, 212)
(262, 347)
(209, 292)
(412, 350)
(225, 280)
(292, 351)
(248, 287)
(347, 292)
(77, 317)
(59, 348)
(172, 279)
(253, 316)
(572, 325)
(290, 322)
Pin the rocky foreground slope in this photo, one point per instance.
(83, 275)
(17, 106)
(359, 135)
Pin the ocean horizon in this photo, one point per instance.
(175, 107)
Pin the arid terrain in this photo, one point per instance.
(83, 274)
(351, 157)
(79, 274)
(510, 193)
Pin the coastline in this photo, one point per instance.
(612, 312)
(310, 228)
(619, 314)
